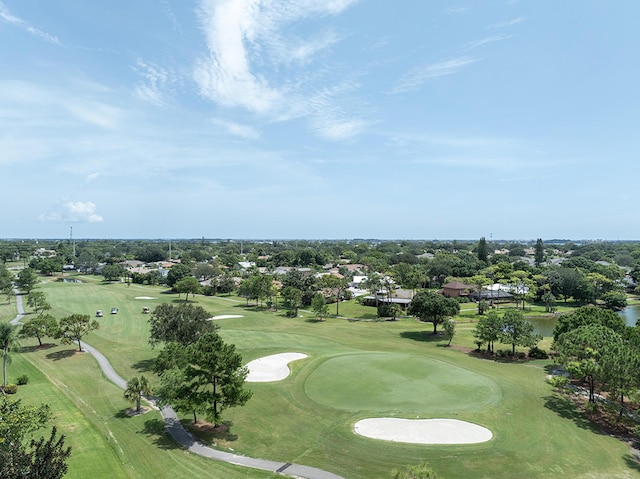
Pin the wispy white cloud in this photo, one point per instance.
(484, 41)
(92, 177)
(73, 212)
(156, 85)
(457, 11)
(248, 44)
(236, 129)
(414, 79)
(96, 113)
(6, 16)
(510, 23)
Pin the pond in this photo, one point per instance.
(71, 280)
(545, 326)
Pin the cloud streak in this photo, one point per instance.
(416, 78)
(6, 16)
(247, 47)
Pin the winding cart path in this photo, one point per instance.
(185, 439)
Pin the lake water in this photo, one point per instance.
(545, 326)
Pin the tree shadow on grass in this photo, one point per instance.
(567, 409)
(632, 462)
(33, 349)
(423, 336)
(144, 365)
(315, 320)
(64, 354)
(155, 429)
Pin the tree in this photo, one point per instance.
(8, 341)
(337, 285)
(615, 299)
(175, 390)
(176, 273)
(187, 285)
(319, 306)
(215, 371)
(419, 471)
(27, 279)
(549, 302)
(483, 253)
(480, 281)
(517, 331)
(621, 365)
(183, 324)
(113, 272)
(38, 301)
(39, 459)
(75, 327)
(588, 315)
(538, 255)
(226, 284)
(44, 325)
(292, 298)
(449, 326)
(584, 351)
(433, 307)
(488, 329)
(137, 387)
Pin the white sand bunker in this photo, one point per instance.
(226, 316)
(271, 368)
(144, 297)
(423, 431)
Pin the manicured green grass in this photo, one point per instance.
(403, 385)
(308, 418)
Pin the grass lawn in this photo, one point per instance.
(355, 370)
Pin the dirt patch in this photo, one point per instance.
(204, 426)
(132, 412)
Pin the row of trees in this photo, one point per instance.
(509, 328)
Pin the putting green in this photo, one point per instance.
(402, 383)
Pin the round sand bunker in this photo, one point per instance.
(271, 368)
(423, 431)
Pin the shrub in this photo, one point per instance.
(558, 381)
(10, 388)
(520, 355)
(290, 313)
(209, 291)
(536, 353)
(22, 380)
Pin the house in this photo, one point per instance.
(456, 289)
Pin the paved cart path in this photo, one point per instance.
(184, 438)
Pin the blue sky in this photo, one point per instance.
(320, 119)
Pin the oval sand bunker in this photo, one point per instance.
(271, 368)
(423, 431)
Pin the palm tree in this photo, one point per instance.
(8, 341)
(137, 387)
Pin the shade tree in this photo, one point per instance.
(216, 376)
(517, 331)
(39, 327)
(183, 323)
(432, 307)
(75, 327)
